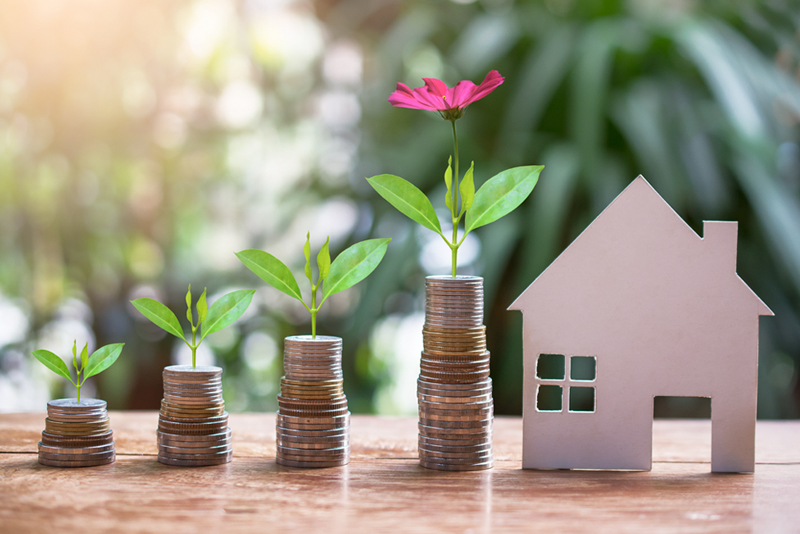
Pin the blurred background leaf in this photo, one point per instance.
(143, 142)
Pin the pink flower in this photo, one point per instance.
(449, 102)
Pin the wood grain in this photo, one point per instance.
(383, 488)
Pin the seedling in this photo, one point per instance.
(498, 197)
(85, 366)
(224, 312)
(348, 269)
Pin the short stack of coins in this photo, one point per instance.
(76, 434)
(193, 424)
(313, 423)
(454, 389)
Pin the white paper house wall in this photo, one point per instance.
(662, 312)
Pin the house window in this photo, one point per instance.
(583, 368)
(557, 373)
(551, 367)
(548, 398)
(581, 399)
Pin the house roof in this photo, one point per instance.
(640, 233)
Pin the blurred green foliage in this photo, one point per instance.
(143, 142)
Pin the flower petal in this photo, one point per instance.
(435, 87)
(437, 103)
(461, 94)
(404, 97)
(491, 82)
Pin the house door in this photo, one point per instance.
(681, 429)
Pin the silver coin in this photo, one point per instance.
(479, 424)
(427, 461)
(193, 453)
(455, 457)
(77, 457)
(210, 456)
(312, 446)
(459, 440)
(313, 458)
(309, 464)
(479, 448)
(427, 415)
(312, 433)
(447, 408)
(451, 467)
(195, 463)
(288, 452)
(73, 404)
(75, 450)
(77, 463)
(189, 371)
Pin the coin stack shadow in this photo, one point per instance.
(76, 434)
(454, 389)
(313, 422)
(193, 424)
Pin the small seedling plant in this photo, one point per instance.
(224, 312)
(85, 366)
(349, 268)
(499, 196)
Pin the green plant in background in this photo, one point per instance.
(88, 366)
(224, 312)
(349, 268)
(498, 197)
(700, 97)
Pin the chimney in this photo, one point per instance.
(719, 240)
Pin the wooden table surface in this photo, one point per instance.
(385, 490)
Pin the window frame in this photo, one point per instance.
(566, 383)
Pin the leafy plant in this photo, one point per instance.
(498, 197)
(99, 361)
(348, 269)
(224, 312)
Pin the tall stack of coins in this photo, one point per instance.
(76, 434)
(313, 423)
(193, 424)
(454, 389)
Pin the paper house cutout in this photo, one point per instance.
(655, 310)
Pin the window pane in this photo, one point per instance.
(583, 368)
(581, 399)
(548, 398)
(551, 366)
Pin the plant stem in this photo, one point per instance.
(454, 209)
(193, 346)
(79, 392)
(314, 311)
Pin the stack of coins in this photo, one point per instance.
(76, 434)
(454, 389)
(313, 423)
(193, 424)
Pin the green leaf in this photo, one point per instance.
(189, 305)
(324, 260)
(307, 254)
(271, 270)
(467, 189)
(85, 356)
(102, 359)
(448, 181)
(53, 362)
(160, 315)
(226, 310)
(408, 199)
(202, 306)
(354, 264)
(501, 195)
